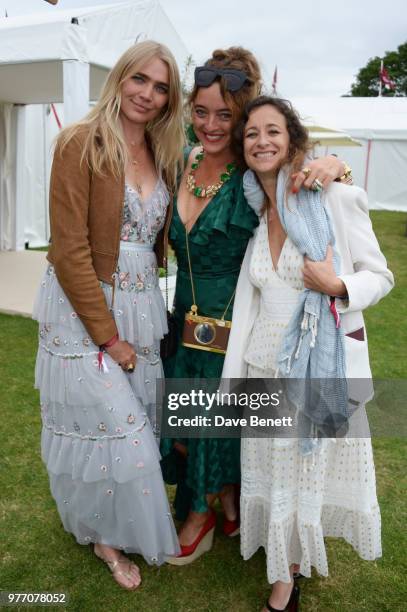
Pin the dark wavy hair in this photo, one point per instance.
(299, 139)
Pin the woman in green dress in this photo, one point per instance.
(212, 210)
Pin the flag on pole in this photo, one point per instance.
(385, 79)
(274, 83)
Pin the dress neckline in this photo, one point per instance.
(149, 196)
(199, 217)
(273, 267)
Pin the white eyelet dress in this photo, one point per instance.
(97, 441)
(288, 505)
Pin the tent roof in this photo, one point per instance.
(328, 137)
(375, 118)
(33, 47)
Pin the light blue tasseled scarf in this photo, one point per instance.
(313, 346)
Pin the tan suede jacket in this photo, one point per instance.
(86, 218)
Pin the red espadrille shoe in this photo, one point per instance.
(201, 544)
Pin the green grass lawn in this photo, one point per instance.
(37, 555)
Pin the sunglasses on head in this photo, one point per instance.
(206, 75)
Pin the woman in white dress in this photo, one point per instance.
(292, 495)
(102, 316)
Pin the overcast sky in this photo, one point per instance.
(317, 45)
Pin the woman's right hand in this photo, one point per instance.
(123, 353)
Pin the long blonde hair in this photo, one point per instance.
(105, 147)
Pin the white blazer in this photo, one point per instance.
(363, 270)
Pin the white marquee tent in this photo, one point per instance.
(50, 58)
(380, 125)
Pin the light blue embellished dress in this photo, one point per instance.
(98, 438)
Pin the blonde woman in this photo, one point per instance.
(101, 313)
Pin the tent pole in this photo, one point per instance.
(369, 146)
(18, 236)
(76, 90)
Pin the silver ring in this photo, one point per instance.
(317, 185)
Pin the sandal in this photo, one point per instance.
(119, 574)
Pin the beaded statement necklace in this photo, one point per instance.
(210, 190)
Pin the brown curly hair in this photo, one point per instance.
(239, 59)
(299, 139)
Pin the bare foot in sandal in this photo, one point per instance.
(125, 572)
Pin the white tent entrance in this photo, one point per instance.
(58, 58)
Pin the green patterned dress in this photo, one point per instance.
(217, 243)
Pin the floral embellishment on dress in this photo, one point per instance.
(146, 280)
(103, 468)
(140, 464)
(131, 418)
(126, 231)
(124, 278)
(76, 427)
(102, 427)
(143, 220)
(136, 441)
(86, 341)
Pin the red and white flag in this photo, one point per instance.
(274, 83)
(385, 79)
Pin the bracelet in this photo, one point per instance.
(346, 176)
(109, 343)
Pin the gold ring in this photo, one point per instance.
(306, 171)
(130, 368)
